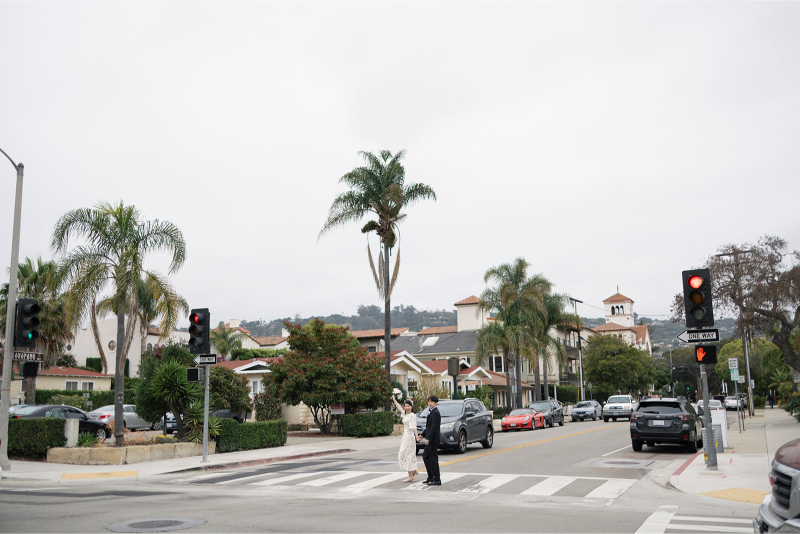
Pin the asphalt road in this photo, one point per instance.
(582, 477)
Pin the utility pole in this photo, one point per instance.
(708, 439)
(580, 353)
(8, 348)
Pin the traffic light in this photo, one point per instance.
(29, 369)
(194, 374)
(25, 332)
(697, 298)
(705, 353)
(198, 331)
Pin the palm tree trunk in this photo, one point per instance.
(119, 379)
(387, 318)
(30, 391)
(519, 381)
(545, 368)
(96, 332)
(537, 383)
(508, 377)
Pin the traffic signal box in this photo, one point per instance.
(705, 353)
(29, 369)
(697, 298)
(25, 328)
(200, 321)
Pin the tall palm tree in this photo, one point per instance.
(226, 340)
(552, 315)
(39, 280)
(115, 241)
(378, 189)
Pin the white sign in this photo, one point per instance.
(471, 387)
(734, 374)
(205, 359)
(733, 363)
(29, 356)
(741, 380)
(337, 410)
(699, 336)
(752, 383)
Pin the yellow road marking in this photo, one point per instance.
(739, 495)
(107, 474)
(525, 445)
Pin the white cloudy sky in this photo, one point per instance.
(607, 143)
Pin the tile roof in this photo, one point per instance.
(71, 371)
(438, 330)
(239, 328)
(499, 380)
(641, 333)
(616, 297)
(611, 327)
(469, 300)
(437, 366)
(377, 332)
(270, 340)
(154, 331)
(392, 355)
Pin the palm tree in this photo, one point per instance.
(39, 281)
(552, 315)
(115, 242)
(226, 340)
(378, 189)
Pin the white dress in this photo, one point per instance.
(407, 457)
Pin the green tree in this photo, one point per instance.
(327, 367)
(765, 357)
(228, 390)
(781, 381)
(116, 241)
(150, 407)
(169, 384)
(225, 340)
(39, 280)
(550, 316)
(378, 189)
(612, 366)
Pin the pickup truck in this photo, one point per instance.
(780, 511)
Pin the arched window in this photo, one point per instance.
(149, 346)
(613, 308)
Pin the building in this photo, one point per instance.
(62, 378)
(620, 323)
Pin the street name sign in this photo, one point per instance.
(699, 336)
(734, 374)
(205, 359)
(741, 380)
(29, 356)
(733, 363)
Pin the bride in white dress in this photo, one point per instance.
(407, 457)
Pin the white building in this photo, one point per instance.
(619, 323)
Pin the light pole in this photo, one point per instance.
(8, 348)
(580, 354)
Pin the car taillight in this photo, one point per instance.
(684, 417)
(636, 416)
(104, 417)
(16, 417)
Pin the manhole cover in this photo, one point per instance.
(155, 524)
(631, 464)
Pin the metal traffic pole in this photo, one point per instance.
(708, 439)
(205, 416)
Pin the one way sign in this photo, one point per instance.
(205, 359)
(699, 336)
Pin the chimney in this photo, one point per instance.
(234, 323)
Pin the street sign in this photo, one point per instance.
(741, 380)
(337, 410)
(29, 356)
(699, 336)
(752, 383)
(733, 363)
(205, 359)
(734, 374)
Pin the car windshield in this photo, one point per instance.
(522, 411)
(584, 404)
(28, 410)
(445, 410)
(659, 407)
(619, 399)
(540, 406)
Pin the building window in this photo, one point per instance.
(372, 348)
(498, 364)
(255, 387)
(87, 386)
(112, 345)
(149, 346)
(71, 385)
(69, 348)
(412, 384)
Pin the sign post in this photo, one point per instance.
(207, 360)
(708, 439)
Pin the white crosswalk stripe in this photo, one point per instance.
(666, 520)
(488, 484)
(549, 486)
(288, 478)
(335, 478)
(611, 489)
(446, 477)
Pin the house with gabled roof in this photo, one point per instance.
(620, 323)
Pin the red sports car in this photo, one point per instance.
(522, 418)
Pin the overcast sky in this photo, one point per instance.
(609, 144)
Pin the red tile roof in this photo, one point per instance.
(469, 300)
(641, 333)
(239, 328)
(270, 340)
(611, 327)
(377, 332)
(438, 330)
(71, 371)
(152, 330)
(499, 380)
(437, 366)
(616, 297)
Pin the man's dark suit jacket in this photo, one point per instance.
(432, 425)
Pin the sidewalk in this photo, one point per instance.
(296, 448)
(743, 469)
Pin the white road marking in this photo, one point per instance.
(369, 484)
(657, 523)
(710, 528)
(335, 478)
(446, 477)
(488, 484)
(714, 519)
(611, 489)
(289, 478)
(549, 486)
(207, 475)
(622, 449)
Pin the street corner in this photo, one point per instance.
(99, 475)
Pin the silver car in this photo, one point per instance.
(733, 403)
(589, 409)
(131, 420)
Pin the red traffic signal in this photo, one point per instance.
(705, 354)
(198, 331)
(697, 298)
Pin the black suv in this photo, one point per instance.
(666, 421)
(552, 410)
(463, 422)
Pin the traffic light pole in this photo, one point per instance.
(708, 439)
(8, 347)
(205, 417)
(749, 381)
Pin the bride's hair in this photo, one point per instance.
(409, 402)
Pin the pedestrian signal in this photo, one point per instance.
(705, 354)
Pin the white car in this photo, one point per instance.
(618, 406)
(712, 405)
(131, 420)
(733, 403)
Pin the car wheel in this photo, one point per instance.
(692, 446)
(101, 434)
(551, 423)
(561, 423)
(462, 442)
(636, 445)
(489, 441)
(605, 419)
(614, 419)
(505, 430)
(594, 418)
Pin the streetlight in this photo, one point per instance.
(8, 351)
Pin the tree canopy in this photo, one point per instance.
(614, 366)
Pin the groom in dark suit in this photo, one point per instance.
(431, 439)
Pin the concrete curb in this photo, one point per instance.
(263, 461)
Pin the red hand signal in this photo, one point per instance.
(700, 354)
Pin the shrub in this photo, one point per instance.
(86, 439)
(95, 364)
(97, 398)
(792, 405)
(70, 400)
(500, 412)
(164, 439)
(366, 424)
(32, 438)
(566, 394)
(66, 360)
(759, 401)
(267, 404)
(235, 436)
(249, 354)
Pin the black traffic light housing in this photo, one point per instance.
(25, 329)
(28, 369)
(697, 298)
(705, 354)
(194, 375)
(199, 323)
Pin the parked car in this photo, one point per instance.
(720, 398)
(463, 422)
(552, 410)
(780, 510)
(590, 409)
(170, 426)
(130, 419)
(665, 421)
(227, 414)
(99, 429)
(712, 405)
(733, 403)
(522, 418)
(14, 408)
(618, 406)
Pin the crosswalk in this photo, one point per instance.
(667, 520)
(356, 481)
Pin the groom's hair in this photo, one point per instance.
(434, 398)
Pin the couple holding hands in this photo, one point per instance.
(407, 457)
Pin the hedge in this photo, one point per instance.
(70, 400)
(566, 394)
(759, 401)
(249, 354)
(32, 438)
(235, 436)
(366, 424)
(97, 398)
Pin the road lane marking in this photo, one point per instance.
(375, 482)
(289, 478)
(549, 486)
(488, 484)
(710, 528)
(658, 522)
(611, 489)
(335, 478)
(714, 519)
(622, 449)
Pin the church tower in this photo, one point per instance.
(619, 309)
